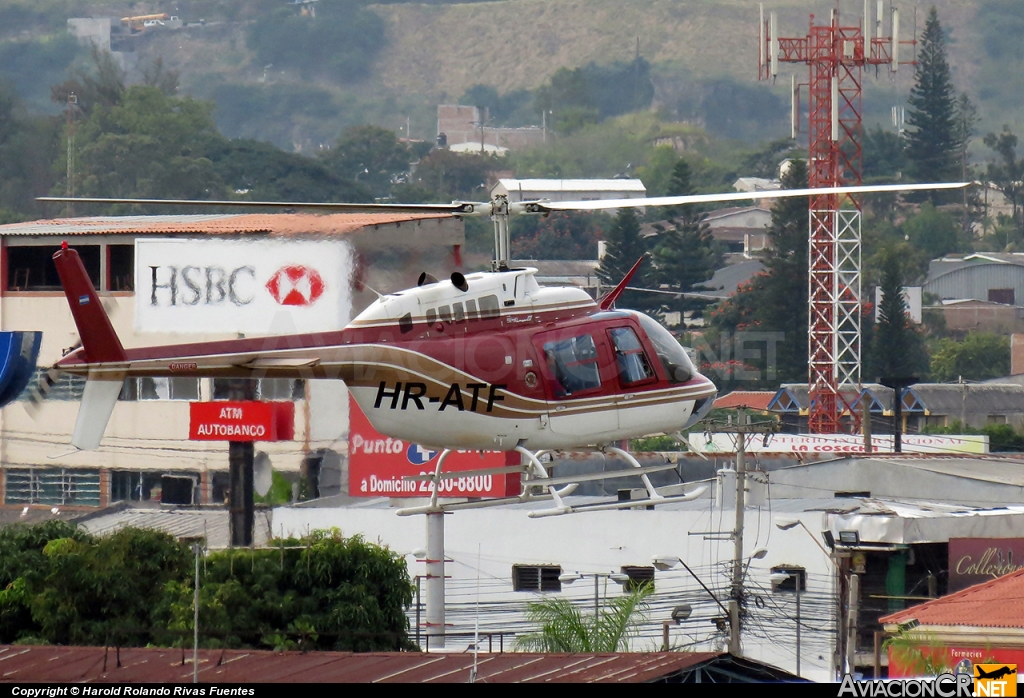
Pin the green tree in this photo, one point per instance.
(1008, 170)
(933, 231)
(624, 247)
(563, 627)
(23, 567)
(450, 176)
(776, 301)
(884, 154)
(102, 591)
(341, 42)
(371, 156)
(932, 144)
(897, 348)
(979, 356)
(558, 236)
(685, 253)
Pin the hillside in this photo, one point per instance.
(519, 43)
(434, 52)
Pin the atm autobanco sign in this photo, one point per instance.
(260, 286)
(241, 421)
(378, 463)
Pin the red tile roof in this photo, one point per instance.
(97, 664)
(215, 224)
(755, 399)
(998, 603)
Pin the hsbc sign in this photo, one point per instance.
(262, 286)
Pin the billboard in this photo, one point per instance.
(258, 286)
(841, 443)
(377, 463)
(976, 560)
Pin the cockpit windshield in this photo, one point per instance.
(671, 354)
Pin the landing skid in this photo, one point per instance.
(539, 485)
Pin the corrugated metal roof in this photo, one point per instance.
(157, 665)
(571, 185)
(998, 603)
(211, 524)
(214, 224)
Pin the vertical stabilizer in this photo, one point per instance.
(98, 402)
(99, 341)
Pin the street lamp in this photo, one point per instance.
(785, 524)
(667, 563)
(777, 579)
(570, 577)
(679, 614)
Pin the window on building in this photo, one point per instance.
(638, 577)
(935, 420)
(67, 387)
(265, 389)
(996, 419)
(52, 486)
(536, 578)
(31, 268)
(173, 488)
(573, 364)
(1001, 295)
(797, 575)
(149, 388)
(122, 267)
(629, 355)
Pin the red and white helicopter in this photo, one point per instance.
(487, 360)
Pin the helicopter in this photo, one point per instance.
(480, 361)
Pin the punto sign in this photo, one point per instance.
(241, 421)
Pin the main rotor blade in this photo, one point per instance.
(456, 207)
(544, 206)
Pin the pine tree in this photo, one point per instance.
(775, 301)
(684, 254)
(932, 144)
(625, 246)
(897, 349)
(783, 307)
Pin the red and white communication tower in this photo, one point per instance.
(837, 55)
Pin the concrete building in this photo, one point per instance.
(969, 315)
(146, 454)
(464, 127)
(924, 405)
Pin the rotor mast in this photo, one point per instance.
(502, 236)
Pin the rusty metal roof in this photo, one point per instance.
(109, 665)
(217, 224)
(997, 603)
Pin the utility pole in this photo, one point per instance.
(241, 458)
(741, 429)
(851, 623)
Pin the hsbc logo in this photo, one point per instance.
(296, 285)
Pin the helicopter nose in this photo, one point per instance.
(702, 407)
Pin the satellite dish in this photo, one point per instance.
(262, 474)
